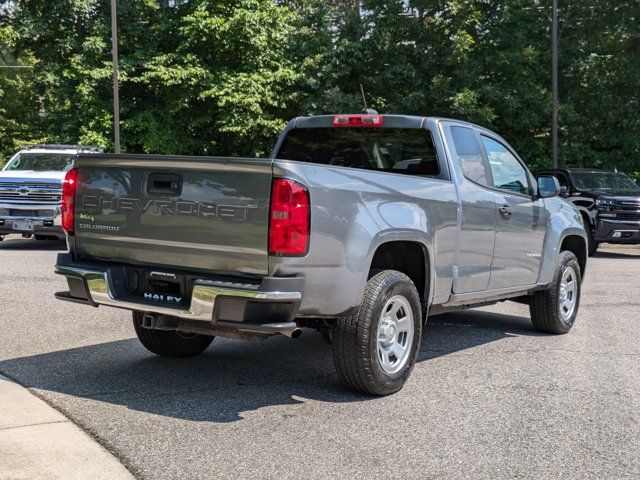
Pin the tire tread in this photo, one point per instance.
(543, 306)
(352, 333)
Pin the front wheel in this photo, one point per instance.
(554, 310)
(170, 343)
(375, 348)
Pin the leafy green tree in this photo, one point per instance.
(202, 77)
(489, 62)
(16, 100)
(222, 78)
(600, 87)
(217, 81)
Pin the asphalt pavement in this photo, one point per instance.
(489, 398)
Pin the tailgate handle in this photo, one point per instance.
(164, 184)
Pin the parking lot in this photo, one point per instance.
(488, 398)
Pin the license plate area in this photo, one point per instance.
(164, 287)
(23, 225)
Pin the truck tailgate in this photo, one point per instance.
(199, 213)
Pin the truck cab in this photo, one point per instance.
(31, 190)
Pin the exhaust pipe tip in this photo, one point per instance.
(295, 333)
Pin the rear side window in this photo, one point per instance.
(469, 154)
(397, 150)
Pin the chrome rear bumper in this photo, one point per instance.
(274, 315)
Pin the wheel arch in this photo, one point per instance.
(578, 246)
(587, 216)
(409, 256)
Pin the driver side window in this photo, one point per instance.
(508, 173)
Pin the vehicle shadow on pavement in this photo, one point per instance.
(231, 377)
(453, 332)
(30, 244)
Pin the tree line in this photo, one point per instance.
(222, 78)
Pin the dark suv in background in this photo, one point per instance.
(608, 201)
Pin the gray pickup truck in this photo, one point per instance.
(360, 226)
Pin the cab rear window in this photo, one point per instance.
(397, 150)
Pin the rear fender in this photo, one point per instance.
(349, 220)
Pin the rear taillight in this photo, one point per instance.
(69, 200)
(289, 218)
(357, 121)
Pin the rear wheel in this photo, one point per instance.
(170, 343)
(375, 348)
(554, 310)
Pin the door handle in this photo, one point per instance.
(505, 211)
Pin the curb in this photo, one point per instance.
(37, 441)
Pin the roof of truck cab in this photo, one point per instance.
(576, 170)
(56, 146)
(589, 170)
(399, 121)
(68, 151)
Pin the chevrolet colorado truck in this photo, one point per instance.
(360, 226)
(609, 203)
(31, 190)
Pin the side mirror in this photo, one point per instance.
(548, 186)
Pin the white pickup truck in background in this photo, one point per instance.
(31, 190)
